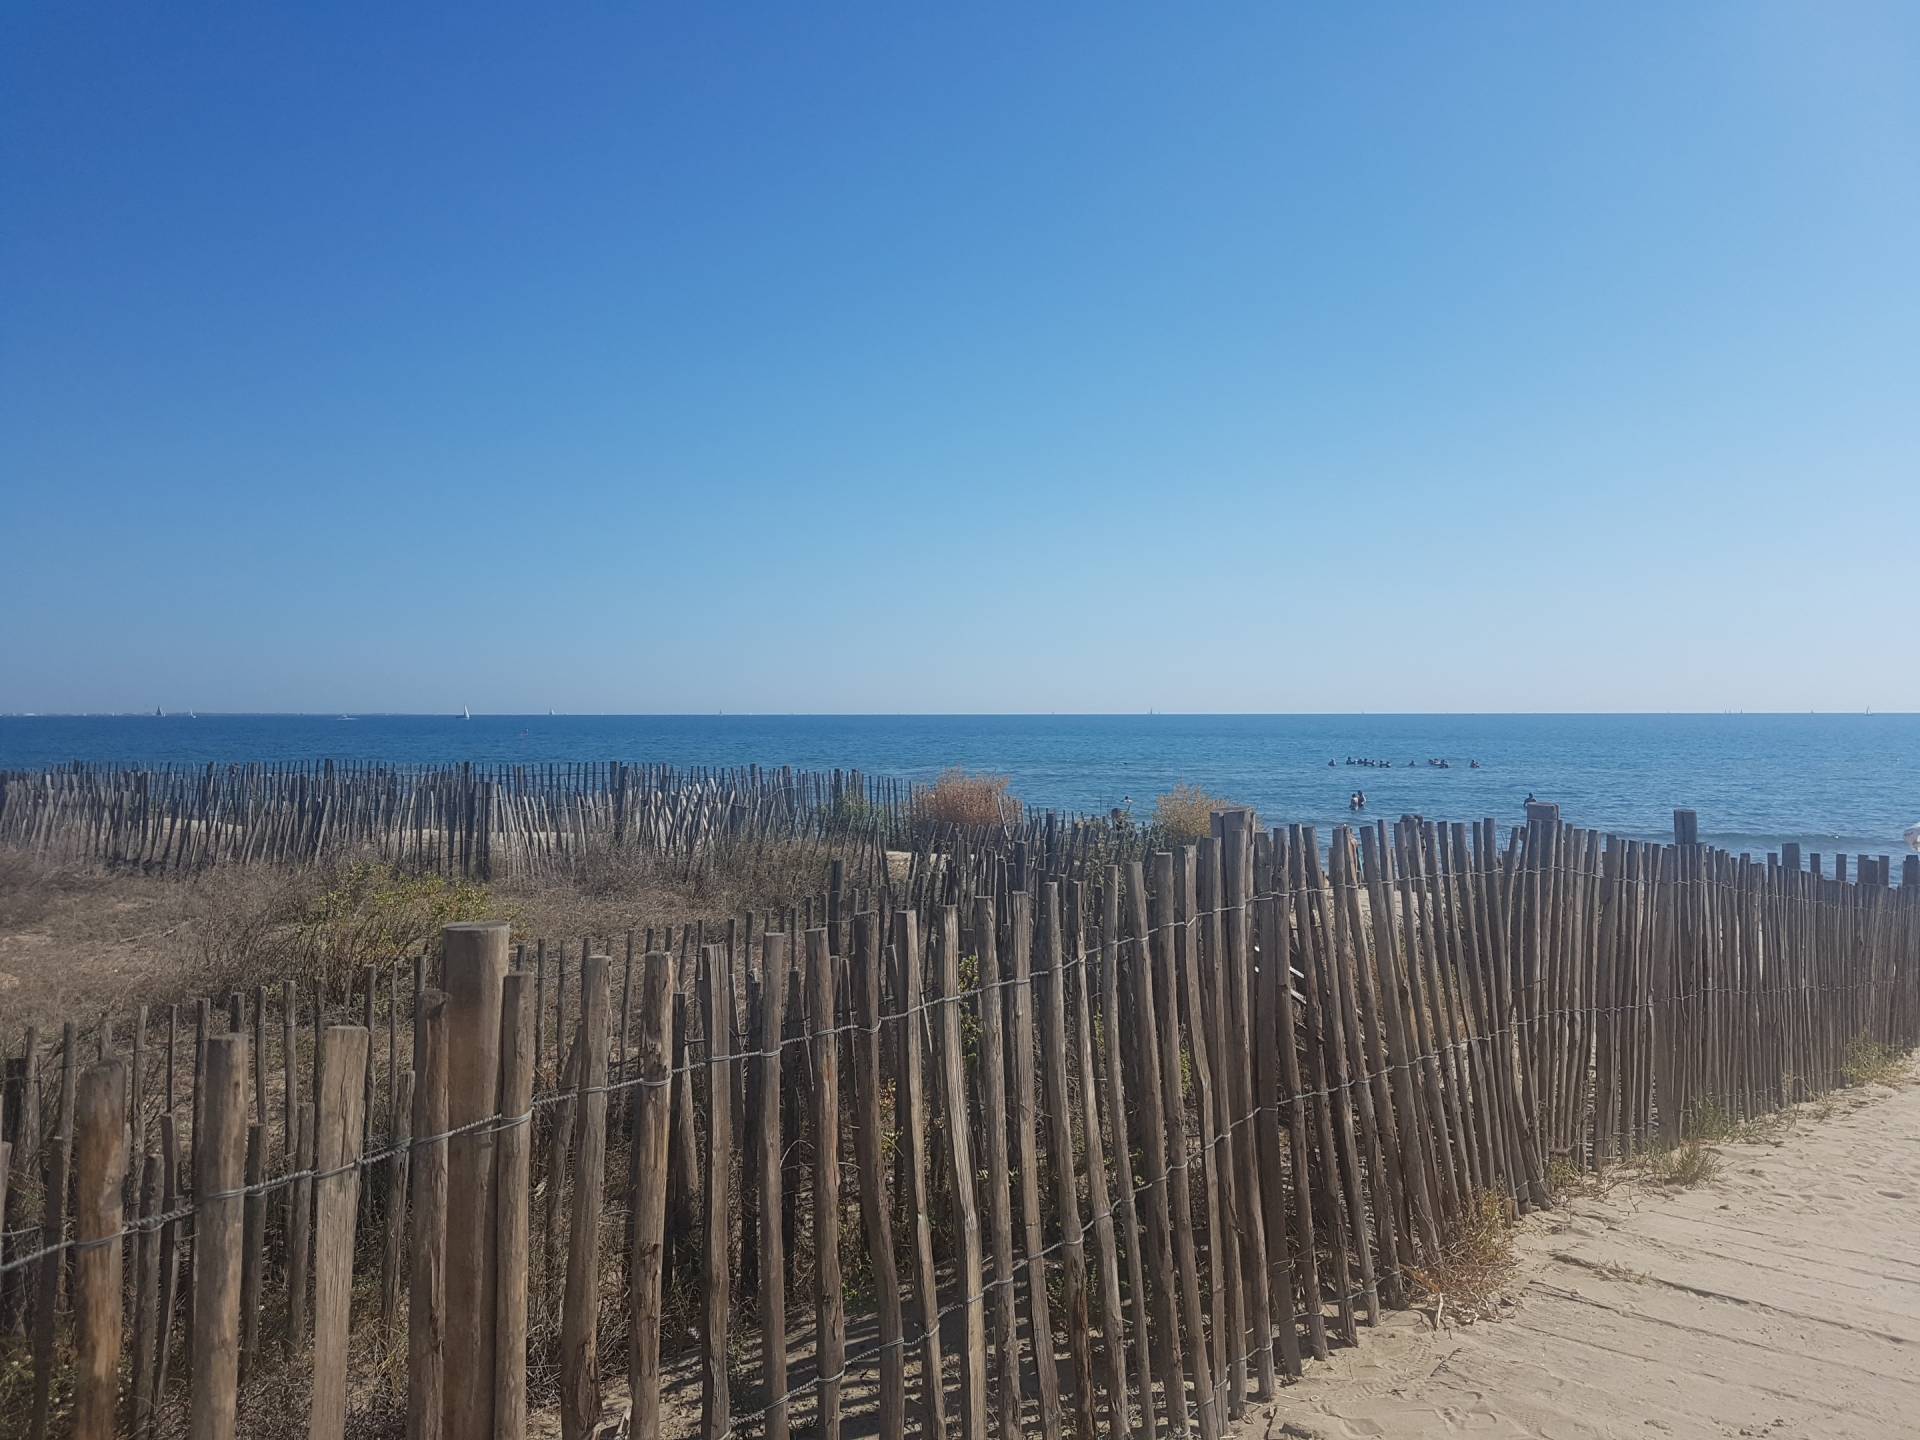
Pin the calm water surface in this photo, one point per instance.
(1847, 783)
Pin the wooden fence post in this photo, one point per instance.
(911, 1102)
(99, 1169)
(580, 1317)
(146, 1315)
(513, 1157)
(774, 949)
(254, 1246)
(868, 1138)
(716, 1396)
(53, 1228)
(427, 1278)
(830, 1308)
(218, 1157)
(336, 1158)
(1051, 1003)
(475, 964)
(1026, 1147)
(1005, 1334)
(1128, 1202)
(960, 1172)
(647, 1188)
(299, 1234)
(393, 1249)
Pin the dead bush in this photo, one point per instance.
(1476, 1257)
(1184, 815)
(969, 801)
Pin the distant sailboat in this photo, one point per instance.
(158, 713)
(465, 713)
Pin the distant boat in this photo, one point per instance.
(158, 713)
(465, 713)
(549, 713)
(347, 717)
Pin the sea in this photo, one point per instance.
(1833, 783)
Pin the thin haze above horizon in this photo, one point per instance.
(1087, 359)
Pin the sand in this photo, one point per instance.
(1780, 1299)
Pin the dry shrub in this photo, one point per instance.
(610, 889)
(1566, 1178)
(1476, 1257)
(1184, 815)
(262, 924)
(969, 801)
(238, 919)
(1869, 1062)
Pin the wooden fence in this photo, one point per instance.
(475, 820)
(1037, 1144)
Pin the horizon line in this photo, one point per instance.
(142, 714)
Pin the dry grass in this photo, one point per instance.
(87, 943)
(1679, 1167)
(1467, 1279)
(969, 801)
(80, 941)
(1565, 1179)
(1184, 815)
(1771, 1128)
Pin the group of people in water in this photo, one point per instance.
(1435, 763)
(1358, 799)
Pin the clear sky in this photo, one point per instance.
(989, 358)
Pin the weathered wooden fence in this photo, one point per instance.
(1034, 1145)
(484, 821)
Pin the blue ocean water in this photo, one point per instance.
(1845, 783)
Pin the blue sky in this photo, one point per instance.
(864, 358)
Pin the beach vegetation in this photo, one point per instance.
(1467, 1279)
(969, 801)
(1869, 1062)
(1183, 815)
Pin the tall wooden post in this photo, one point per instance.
(512, 1183)
(427, 1276)
(100, 1164)
(339, 1104)
(218, 1155)
(648, 1188)
(580, 1314)
(475, 965)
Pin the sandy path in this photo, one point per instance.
(1781, 1299)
